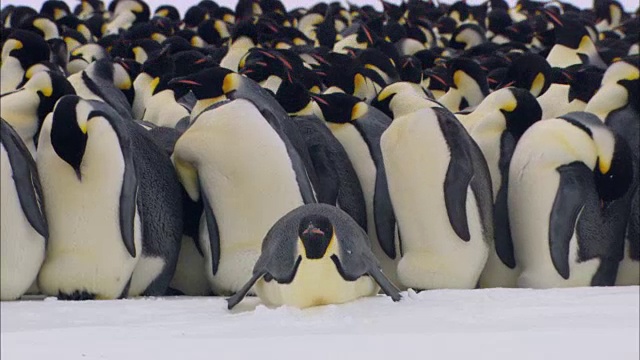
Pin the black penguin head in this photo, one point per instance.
(56, 9)
(167, 11)
(29, 48)
(194, 16)
(585, 81)
(531, 72)
(213, 31)
(209, 83)
(459, 67)
(613, 181)
(498, 20)
(293, 96)
(337, 107)
(521, 114)
(69, 130)
(316, 232)
(50, 87)
(410, 69)
(569, 31)
(383, 101)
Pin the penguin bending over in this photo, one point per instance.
(315, 255)
(24, 224)
(219, 158)
(566, 180)
(113, 205)
(26, 108)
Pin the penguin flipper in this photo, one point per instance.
(214, 235)
(384, 215)
(385, 284)
(295, 151)
(26, 180)
(236, 298)
(569, 201)
(502, 226)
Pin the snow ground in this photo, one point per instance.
(584, 323)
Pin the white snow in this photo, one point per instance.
(582, 323)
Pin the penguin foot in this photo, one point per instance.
(77, 296)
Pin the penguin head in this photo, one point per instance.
(26, 46)
(521, 110)
(585, 81)
(316, 233)
(614, 179)
(464, 70)
(294, 98)
(467, 36)
(404, 90)
(69, 130)
(50, 87)
(613, 172)
(529, 71)
(56, 9)
(41, 25)
(209, 84)
(167, 11)
(337, 108)
(410, 69)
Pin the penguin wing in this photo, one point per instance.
(337, 181)
(356, 258)
(459, 172)
(301, 167)
(129, 190)
(371, 129)
(278, 259)
(502, 229)
(25, 177)
(573, 190)
(482, 187)
(214, 235)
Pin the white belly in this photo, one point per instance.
(554, 101)
(20, 110)
(190, 277)
(317, 282)
(85, 250)
(416, 158)
(163, 110)
(143, 92)
(11, 73)
(363, 164)
(22, 248)
(532, 191)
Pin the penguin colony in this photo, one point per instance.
(315, 156)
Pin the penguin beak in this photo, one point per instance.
(318, 99)
(313, 230)
(510, 83)
(184, 81)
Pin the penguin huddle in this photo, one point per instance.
(316, 156)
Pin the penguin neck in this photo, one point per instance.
(12, 74)
(562, 56)
(272, 83)
(610, 97)
(203, 104)
(406, 103)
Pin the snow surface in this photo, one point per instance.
(520, 324)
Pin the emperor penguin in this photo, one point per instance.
(315, 255)
(566, 180)
(616, 104)
(21, 50)
(237, 212)
(26, 108)
(101, 81)
(244, 37)
(148, 79)
(469, 85)
(337, 182)
(212, 85)
(573, 44)
(125, 14)
(112, 203)
(358, 127)
(529, 71)
(440, 189)
(496, 125)
(24, 224)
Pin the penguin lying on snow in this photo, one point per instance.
(113, 205)
(315, 255)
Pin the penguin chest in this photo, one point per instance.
(11, 73)
(20, 109)
(317, 282)
(163, 109)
